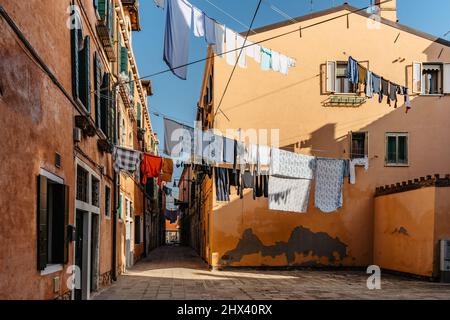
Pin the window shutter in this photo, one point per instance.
(119, 209)
(75, 63)
(331, 76)
(417, 77)
(139, 115)
(66, 224)
(42, 240)
(366, 144)
(111, 116)
(104, 103)
(98, 89)
(85, 83)
(446, 78)
(130, 77)
(110, 18)
(102, 8)
(123, 60)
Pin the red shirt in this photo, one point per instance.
(151, 167)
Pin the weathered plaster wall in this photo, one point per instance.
(294, 104)
(404, 231)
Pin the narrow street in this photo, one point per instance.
(173, 272)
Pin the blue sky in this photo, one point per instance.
(178, 99)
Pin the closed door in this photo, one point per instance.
(79, 251)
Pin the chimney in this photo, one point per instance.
(388, 9)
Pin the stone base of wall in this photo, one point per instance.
(105, 279)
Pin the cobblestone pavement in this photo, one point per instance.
(178, 273)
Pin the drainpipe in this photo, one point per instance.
(144, 218)
(116, 195)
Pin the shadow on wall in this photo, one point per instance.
(302, 241)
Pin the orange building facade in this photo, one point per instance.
(314, 120)
(63, 107)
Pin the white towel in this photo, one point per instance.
(243, 57)
(219, 30)
(199, 23)
(275, 61)
(230, 40)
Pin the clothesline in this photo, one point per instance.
(180, 14)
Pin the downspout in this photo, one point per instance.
(116, 194)
(144, 198)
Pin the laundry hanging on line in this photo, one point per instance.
(329, 180)
(179, 17)
(126, 159)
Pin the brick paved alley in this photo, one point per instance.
(174, 272)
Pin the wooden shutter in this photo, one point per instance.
(104, 103)
(331, 76)
(123, 60)
(110, 18)
(75, 63)
(85, 83)
(417, 77)
(139, 115)
(350, 144)
(111, 115)
(102, 9)
(98, 89)
(446, 78)
(366, 143)
(130, 77)
(66, 224)
(42, 241)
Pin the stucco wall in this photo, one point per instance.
(245, 232)
(404, 231)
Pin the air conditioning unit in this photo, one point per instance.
(76, 134)
(445, 261)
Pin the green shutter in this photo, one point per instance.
(42, 234)
(58, 234)
(110, 19)
(112, 117)
(98, 90)
(85, 81)
(102, 8)
(120, 207)
(130, 77)
(75, 63)
(104, 103)
(139, 115)
(123, 60)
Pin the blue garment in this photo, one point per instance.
(176, 39)
(210, 34)
(352, 70)
(266, 59)
(376, 86)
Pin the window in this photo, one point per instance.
(53, 217)
(139, 116)
(81, 68)
(107, 201)
(82, 184)
(336, 78)
(396, 149)
(431, 78)
(95, 192)
(359, 147)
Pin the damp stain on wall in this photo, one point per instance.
(302, 241)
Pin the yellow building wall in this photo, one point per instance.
(404, 231)
(244, 232)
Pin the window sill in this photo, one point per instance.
(396, 165)
(51, 268)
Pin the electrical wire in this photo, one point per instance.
(237, 60)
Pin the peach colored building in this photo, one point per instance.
(318, 113)
(63, 106)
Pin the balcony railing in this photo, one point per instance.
(344, 101)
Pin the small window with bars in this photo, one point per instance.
(82, 184)
(95, 192)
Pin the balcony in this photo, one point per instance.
(344, 101)
(133, 8)
(104, 30)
